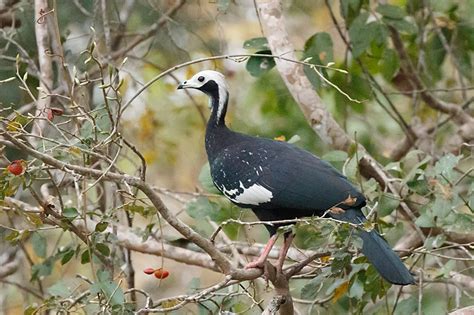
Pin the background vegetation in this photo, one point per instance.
(110, 175)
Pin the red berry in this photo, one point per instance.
(57, 111)
(149, 271)
(161, 273)
(49, 114)
(16, 167)
(53, 111)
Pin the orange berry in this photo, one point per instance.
(161, 273)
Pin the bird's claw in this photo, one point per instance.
(255, 264)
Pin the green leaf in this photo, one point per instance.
(42, 270)
(85, 257)
(38, 242)
(435, 303)
(362, 34)
(101, 226)
(356, 290)
(403, 26)
(441, 207)
(387, 203)
(465, 62)
(320, 47)
(461, 223)
(434, 57)
(202, 208)
(334, 285)
(419, 186)
(389, 64)
(103, 249)
(341, 261)
(70, 213)
(407, 306)
(258, 43)
(350, 9)
(206, 180)
(59, 289)
(335, 156)
(425, 220)
(465, 35)
(445, 166)
(391, 11)
(257, 66)
(310, 289)
(380, 34)
(66, 256)
(318, 50)
(111, 290)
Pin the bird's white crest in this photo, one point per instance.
(217, 77)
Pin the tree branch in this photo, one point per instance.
(45, 64)
(220, 259)
(459, 115)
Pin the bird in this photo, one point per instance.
(279, 181)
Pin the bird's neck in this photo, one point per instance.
(218, 97)
(217, 132)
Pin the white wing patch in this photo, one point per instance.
(229, 192)
(253, 195)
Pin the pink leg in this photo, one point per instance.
(260, 262)
(284, 250)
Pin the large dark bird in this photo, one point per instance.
(279, 181)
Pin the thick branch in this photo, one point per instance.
(45, 64)
(274, 29)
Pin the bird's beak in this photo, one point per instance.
(183, 85)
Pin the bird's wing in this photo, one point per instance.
(300, 180)
(277, 175)
(236, 172)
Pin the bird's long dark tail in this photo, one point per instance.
(378, 252)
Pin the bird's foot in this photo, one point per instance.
(337, 210)
(259, 263)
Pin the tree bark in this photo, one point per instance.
(45, 65)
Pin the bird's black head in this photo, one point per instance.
(214, 85)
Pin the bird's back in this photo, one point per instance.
(279, 178)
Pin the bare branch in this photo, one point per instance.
(148, 190)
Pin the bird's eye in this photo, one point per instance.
(201, 78)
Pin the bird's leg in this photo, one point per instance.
(260, 262)
(288, 238)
